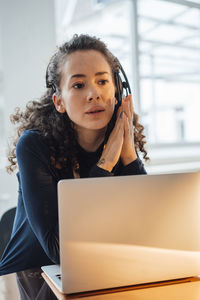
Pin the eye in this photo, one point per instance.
(103, 82)
(78, 85)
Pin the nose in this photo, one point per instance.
(93, 94)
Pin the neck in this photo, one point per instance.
(90, 140)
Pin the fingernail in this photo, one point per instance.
(121, 114)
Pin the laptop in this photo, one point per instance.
(127, 230)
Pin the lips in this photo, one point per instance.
(95, 109)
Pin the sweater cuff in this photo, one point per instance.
(99, 172)
(136, 167)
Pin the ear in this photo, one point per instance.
(115, 99)
(58, 103)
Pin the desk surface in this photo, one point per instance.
(184, 289)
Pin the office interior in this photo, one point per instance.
(156, 41)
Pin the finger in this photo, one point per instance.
(126, 127)
(131, 103)
(116, 137)
(119, 110)
(126, 104)
(129, 99)
(119, 123)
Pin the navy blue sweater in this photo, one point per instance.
(35, 241)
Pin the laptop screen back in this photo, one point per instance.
(121, 217)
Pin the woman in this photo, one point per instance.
(75, 130)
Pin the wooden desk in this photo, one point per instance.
(183, 289)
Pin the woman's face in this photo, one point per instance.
(87, 90)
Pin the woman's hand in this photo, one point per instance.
(128, 153)
(121, 139)
(113, 148)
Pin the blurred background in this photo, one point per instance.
(156, 41)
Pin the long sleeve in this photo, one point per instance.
(95, 171)
(134, 168)
(39, 191)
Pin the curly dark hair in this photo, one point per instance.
(57, 128)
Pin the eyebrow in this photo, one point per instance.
(83, 75)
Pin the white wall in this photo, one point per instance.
(27, 40)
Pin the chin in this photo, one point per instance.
(97, 127)
(93, 124)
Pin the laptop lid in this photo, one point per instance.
(119, 231)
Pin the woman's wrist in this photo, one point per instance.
(129, 159)
(103, 164)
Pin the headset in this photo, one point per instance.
(121, 82)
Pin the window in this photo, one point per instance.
(169, 47)
(108, 19)
(158, 44)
